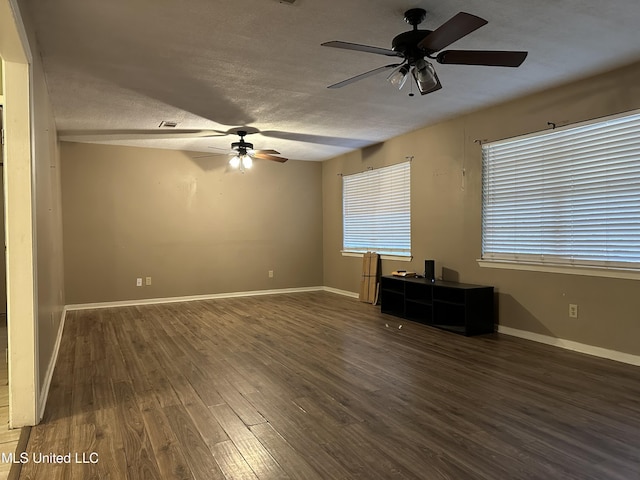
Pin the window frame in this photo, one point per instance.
(559, 264)
(371, 181)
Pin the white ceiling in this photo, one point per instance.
(214, 64)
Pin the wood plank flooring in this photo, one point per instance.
(317, 386)
(8, 438)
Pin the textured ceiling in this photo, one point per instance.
(212, 64)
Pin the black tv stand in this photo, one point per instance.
(458, 307)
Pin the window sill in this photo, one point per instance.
(383, 257)
(629, 274)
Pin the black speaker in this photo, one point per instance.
(430, 270)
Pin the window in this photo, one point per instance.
(568, 197)
(376, 211)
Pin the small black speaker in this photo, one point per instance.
(430, 270)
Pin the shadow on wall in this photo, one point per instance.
(370, 151)
(449, 275)
(519, 317)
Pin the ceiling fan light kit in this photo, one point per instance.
(242, 162)
(399, 76)
(235, 161)
(425, 76)
(416, 45)
(243, 154)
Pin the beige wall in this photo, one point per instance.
(48, 209)
(446, 214)
(194, 226)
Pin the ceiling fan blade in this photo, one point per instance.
(453, 29)
(268, 152)
(106, 135)
(363, 75)
(208, 155)
(265, 156)
(362, 48)
(491, 58)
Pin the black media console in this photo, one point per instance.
(458, 307)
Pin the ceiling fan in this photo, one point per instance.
(243, 153)
(416, 45)
(168, 134)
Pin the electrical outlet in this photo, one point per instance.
(573, 310)
(147, 281)
(138, 282)
(270, 273)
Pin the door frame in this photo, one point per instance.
(19, 218)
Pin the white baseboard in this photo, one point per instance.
(189, 298)
(341, 292)
(571, 345)
(44, 393)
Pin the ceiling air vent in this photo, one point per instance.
(168, 124)
(288, 2)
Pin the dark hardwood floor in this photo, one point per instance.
(319, 386)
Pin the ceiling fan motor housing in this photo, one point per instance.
(242, 146)
(407, 44)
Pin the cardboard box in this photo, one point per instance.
(370, 277)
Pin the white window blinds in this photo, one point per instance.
(569, 196)
(376, 211)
